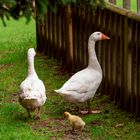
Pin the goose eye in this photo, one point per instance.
(98, 33)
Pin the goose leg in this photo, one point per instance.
(90, 111)
(29, 115)
(81, 111)
(38, 113)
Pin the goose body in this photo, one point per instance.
(79, 88)
(83, 85)
(32, 90)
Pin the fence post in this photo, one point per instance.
(112, 1)
(138, 72)
(69, 38)
(138, 6)
(126, 4)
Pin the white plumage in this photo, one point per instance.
(32, 90)
(83, 85)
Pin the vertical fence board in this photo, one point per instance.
(126, 63)
(115, 58)
(134, 68)
(82, 39)
(46, 34)
(63, 27)
(59, 35)
(113, 55)
(138, 6)
(40, 33)
(112, 1)
(102, 46)
(69, 37)
(121, 40)
(79, 37)
(50, 34)
(75, 50)
(85, 41)
(138, 71)
(126, 4)
(107, 52)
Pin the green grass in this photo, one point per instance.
(15, 39)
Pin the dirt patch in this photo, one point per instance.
(5, 66)
(13, 98)
(59, 128)
(96, 123)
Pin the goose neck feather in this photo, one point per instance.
(31, 69)
(93, 61)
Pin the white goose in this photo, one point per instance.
(32, 90)
(82, 86)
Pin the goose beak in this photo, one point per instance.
(103, 37)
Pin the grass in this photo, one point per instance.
(133, 4)
(15, 40)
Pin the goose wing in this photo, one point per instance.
(32, 89)
(82, 82)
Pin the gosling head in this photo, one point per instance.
(66, 114)
(98, 36)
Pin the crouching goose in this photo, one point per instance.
(32, 90)
(83, 85)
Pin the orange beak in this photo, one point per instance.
(104, 37)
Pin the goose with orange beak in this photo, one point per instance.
(82, 86)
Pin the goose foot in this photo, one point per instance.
(37, 118)
(90, 112)
(29, 115)
(38, 113)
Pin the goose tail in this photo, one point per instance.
(57, 91)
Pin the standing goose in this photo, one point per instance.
(83, 85)
(32, 90)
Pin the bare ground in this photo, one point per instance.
(56, 127)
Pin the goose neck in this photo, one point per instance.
(93, 61)
(31, 69)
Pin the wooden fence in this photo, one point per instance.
(64, 36)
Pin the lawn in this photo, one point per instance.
(133, 4)
(15, 39)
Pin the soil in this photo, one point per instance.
(59, 128)
(56, 127)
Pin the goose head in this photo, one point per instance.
(98, 36)
(31, 52)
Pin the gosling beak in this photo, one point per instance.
(103, 37)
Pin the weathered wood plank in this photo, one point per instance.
(75, 49)
(126, 4)
(138, 71)
(112, 1)
(138, 6)
(63, 27)
(69, 37)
